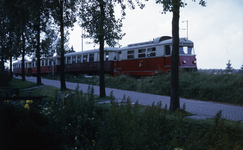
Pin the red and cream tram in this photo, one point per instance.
(152, 57)
(138, 59)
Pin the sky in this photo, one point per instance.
(216, 30)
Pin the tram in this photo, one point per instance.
(138, 59)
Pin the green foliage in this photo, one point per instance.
(99, 21)
(129, 126)
(216, 136)
(18, 83)
(122, 82)
(27, 129)
(229, 68)
(225, 88)
(78, 119)
(84, 124)
(4, 78)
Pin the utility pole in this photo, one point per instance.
(186, 28)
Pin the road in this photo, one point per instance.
(201, 109)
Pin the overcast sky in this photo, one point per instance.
(216, 30)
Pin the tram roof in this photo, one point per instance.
(164, 40)
(91, 51)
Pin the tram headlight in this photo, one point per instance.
(184, 62)
(194, 61)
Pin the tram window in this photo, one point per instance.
(73, 59)
(79, 59)
(106, 55)
(151, 52)
(182, 50)
(46, 62)
(91, 57)
(141, 53)
(50, 62)
(68, 60)
(186, 50)
(85, 58)
(42, 63)
(167, 49)
(130, 54)
(190, 50)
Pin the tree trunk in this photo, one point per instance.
(102, 72)
(101, 41)
(23, 54)
(63, 84)
(38, 52)
(11, 63)
(2, 64)
(174, 99)
(11, 57)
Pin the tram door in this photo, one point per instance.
(167, 58)
(117, 68)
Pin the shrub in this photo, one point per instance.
(27, 129)
(4, 78)
(84, 124)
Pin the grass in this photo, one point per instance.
(18, 83)
(51, 92)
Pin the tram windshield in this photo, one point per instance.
(186, 50)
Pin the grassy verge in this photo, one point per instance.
(51, 93)
(18, 83)
(15, 84)
(224, 88)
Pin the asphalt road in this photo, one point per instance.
(201, 109)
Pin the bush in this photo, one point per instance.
(27, 129)
(84, 124)
(4, 78)
(225, 88)
(129, 126)
(122, 82)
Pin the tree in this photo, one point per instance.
(10, 33)
(99, 22)
(174, 7)
(24, 28)
(24, 19)
(241, 70)
(15, 25)
(229, 68)
(6, 33)
(40, 17)
(63, 12)
(3, 49)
